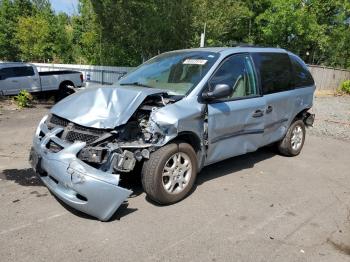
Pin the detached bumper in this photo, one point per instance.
(79, 185)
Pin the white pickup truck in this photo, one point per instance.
(15, 77)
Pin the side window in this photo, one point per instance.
(2, 74)
(23, 71)
(275, 71)
(237, 72)
(6, 73)
(301, 74)
(16, 72)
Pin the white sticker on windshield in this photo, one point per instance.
(195, 62)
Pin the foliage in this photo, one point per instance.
(33, 36)
(291, 25)
(127, 32)
(135, 30)
(23, 99)
(227, 22)
(345, 87)
(10, 11)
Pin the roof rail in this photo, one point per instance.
(249, 45)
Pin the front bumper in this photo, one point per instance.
(79, 185)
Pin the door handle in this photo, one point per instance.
(258, 113)
(14, 81)
(269, 109)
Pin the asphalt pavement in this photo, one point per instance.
(256, 207)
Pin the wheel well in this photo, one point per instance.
(306, 117)
(66, 83)
(190, 138)
(301, 114)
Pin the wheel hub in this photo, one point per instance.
(177, 173)
(297, 137)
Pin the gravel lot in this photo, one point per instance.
(256, 207)
(332, 117)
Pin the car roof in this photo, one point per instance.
(237, 49)
(12, 64)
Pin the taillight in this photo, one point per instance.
(82, 78)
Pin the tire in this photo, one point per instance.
(64, 91)
(293, 142)
(176, 183)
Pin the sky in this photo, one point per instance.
(67, 6)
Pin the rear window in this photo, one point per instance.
(275, 71)
(301, 74)
(16, 72)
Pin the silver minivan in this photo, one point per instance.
(173, 115)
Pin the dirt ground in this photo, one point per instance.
(256, 207)
(332, 117)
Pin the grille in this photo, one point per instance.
(73, 136)
(90, 130)
(58, 121)
(73, 132)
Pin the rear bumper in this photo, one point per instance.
(79, 185)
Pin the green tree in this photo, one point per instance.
(10, 11)
(134, 30)
(227, 22)
(127, 32)
(33, 36)
(86, 34)
(62, 34)
(334, 16)
(291, 25)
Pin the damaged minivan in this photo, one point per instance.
(171, 116)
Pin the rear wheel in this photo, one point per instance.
(64, 91)
(169, 174)
(293, 142)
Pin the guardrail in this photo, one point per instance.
(95, 74)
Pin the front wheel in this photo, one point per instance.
(170, 172)
(293, 142)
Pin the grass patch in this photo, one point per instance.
(344, 88)
(23, 99)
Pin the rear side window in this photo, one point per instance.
(301, 74)
(275, 71)
(19, 71)
(23, 71)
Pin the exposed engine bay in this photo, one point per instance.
(119, 149)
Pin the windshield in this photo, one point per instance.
(176, 72)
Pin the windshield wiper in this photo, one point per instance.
(136, 84)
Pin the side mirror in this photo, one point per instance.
(219, 91)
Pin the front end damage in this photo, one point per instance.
(82, 165)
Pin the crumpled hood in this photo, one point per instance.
(103, 107)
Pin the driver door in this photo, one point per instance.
(235, 123)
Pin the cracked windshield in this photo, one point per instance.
(176, 72)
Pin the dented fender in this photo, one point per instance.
(186, 116)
